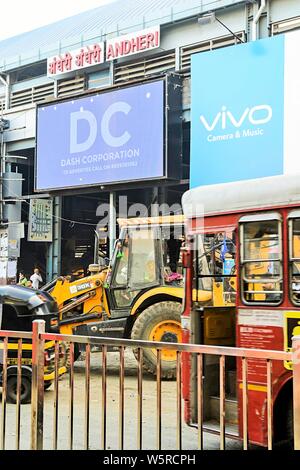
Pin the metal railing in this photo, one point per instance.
(5, 378)
(139, 347)
(39, 421)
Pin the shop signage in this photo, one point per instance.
(111, 137)
(40, 220)
(116, 48)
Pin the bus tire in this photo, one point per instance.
(284, 430)
(288, 441)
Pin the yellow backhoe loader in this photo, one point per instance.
(138, 296)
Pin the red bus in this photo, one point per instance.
(244, 240)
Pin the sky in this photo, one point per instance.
(20, 16)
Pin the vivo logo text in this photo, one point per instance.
(257, 115)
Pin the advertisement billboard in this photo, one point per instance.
(115, 136)
(245, 102)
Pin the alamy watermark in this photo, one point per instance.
(174, 220)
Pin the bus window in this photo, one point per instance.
(143, 270)
(214, 266)
(294, 257)
(261, 262)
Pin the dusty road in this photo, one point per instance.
(189, 436)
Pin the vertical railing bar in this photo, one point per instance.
(121, 400)
(37, 388)
(4, 389)
(296, 390)
(104, 387)
(87, 394)
(222, 402)
(179, 409)
(55, 403)
(269, 404)
(140, 400)
(245, 402)
(200, 399)
(71, 390)
(18, 403)
(158, 401)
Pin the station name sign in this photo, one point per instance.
(124, 46)
(116, 48)
(86, 56)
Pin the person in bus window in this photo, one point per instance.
(271, 296)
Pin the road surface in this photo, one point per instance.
(169, 412)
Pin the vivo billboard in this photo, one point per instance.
(115, 136)
(245, 106)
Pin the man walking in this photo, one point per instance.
(36, 279)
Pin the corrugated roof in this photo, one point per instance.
(118, 17)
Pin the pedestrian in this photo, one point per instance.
(36, 279)
(22, 279)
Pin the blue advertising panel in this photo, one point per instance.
(111, 137)
(237, 128)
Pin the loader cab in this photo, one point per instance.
(147, 255)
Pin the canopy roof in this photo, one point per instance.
(106, 21)
(239, 196)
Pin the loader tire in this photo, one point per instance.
(11, 389)
(47, 384)
(159, 322)
(76, 354)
